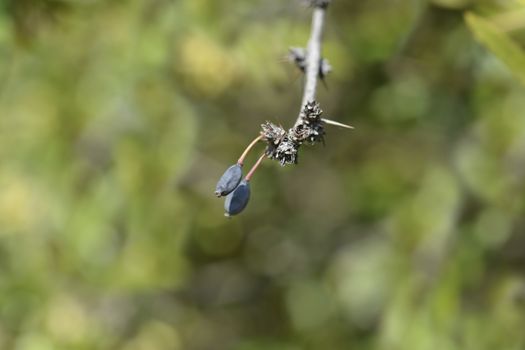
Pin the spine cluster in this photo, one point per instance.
(283, 146)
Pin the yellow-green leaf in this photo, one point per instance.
(499, 43)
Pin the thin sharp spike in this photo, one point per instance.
(332, 122)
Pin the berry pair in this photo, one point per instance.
(237, 192)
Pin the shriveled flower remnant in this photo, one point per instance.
(311, 126)
(283, 146)
(273, 135)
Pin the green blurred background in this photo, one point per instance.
(118, 117)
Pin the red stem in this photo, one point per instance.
(255, 166)
(250, 146)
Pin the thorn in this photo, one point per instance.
(331, 122)
(324, 83)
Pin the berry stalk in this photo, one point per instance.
(254, 168)
(248, 149)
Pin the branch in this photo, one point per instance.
(313, 57)
(282, 145)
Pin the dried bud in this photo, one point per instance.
(311, 112)
(286, 152)
(237, 200)
(315, 133)
(299, 133)
(229, 180)
(272, 133)
(284, 146)
(311, 126)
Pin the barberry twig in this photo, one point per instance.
(313, 54)
(283, 145)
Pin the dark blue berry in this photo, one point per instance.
(236, 201)
(229, 180)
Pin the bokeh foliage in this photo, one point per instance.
(117, 118)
